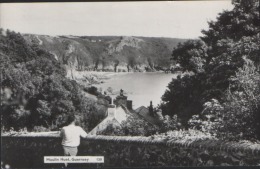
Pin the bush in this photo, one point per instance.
(170, 123)
(184, 135)
(131, 127)
(210, 119)
(242, 106)
(40, 129)
(93, 90)
(238, 116)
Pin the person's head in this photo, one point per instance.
(71, 119)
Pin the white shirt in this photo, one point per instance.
(71, 135)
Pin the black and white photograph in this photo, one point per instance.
(130, 84)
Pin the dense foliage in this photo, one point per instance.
(108, 53)
(133, 126)
(191, 55)
(192, 149)
(35, 93)
(225, 67)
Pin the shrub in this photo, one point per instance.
(184, 135)
(238, 116)
(131, 127)
(242, 107)
(210, 118)
(93, 90)
(170, 123)
(40, 129)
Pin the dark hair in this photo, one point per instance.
(71, 118)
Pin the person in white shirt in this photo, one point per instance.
(71, 137)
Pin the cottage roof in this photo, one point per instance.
(144, 113)
(142, 110)
(115, 116)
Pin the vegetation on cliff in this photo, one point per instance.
(108, 53)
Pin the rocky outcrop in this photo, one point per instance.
(125, 41)
(108, 53)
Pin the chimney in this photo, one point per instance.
(121, 99)
(112, 100)
(129, 105)
(151, 109)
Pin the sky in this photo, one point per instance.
(178, 19)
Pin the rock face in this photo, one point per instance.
(108, 53)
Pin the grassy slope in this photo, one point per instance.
(86, 50)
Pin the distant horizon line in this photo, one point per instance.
(100, 35)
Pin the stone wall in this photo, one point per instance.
(28, 151)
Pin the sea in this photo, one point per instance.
(141, 87)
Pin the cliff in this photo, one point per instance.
(108, 53)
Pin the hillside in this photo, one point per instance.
(108, 53)
(35, 93)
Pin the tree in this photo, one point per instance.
(214, 59)
(131, 62)
(242, 106)
(15, 46)
(36, 89)
(116, 63)
(191, 55)
(183, 97)
(150, 62)
(96, 62)
(238, 117)
(104, 63)
(242, 21)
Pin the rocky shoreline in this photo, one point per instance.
(89, 78)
